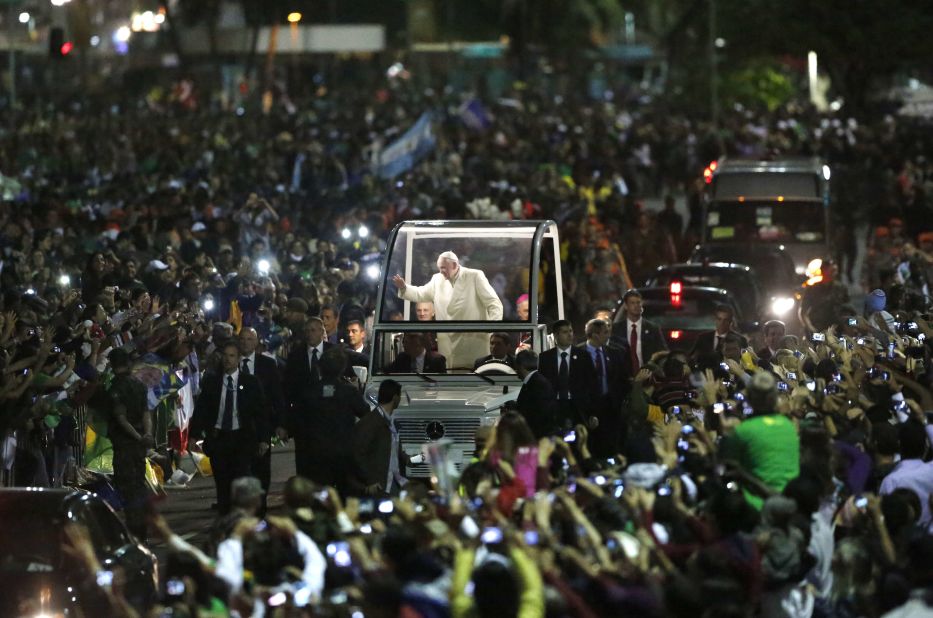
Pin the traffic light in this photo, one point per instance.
(58, 46)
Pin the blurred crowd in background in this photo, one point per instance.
(792, 486)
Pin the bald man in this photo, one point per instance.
(458, 293)
(267, 372)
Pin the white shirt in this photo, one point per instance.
(223, 400)
(569, 352)
(230, 564)
(250, 363)
(320, 352)
(822, 546)
(393, 475)
(628, 337)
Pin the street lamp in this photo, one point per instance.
(24, 17)
(294, 17)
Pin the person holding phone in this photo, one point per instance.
(765, 444)
(506, 583)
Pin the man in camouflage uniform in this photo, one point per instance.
(130, 430)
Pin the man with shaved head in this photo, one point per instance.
(266, 371)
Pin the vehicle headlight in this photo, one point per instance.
(782, 305)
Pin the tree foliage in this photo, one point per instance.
(860, 44)
(759, 84)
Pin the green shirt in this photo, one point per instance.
(768, 447)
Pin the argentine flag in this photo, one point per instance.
(402, 154)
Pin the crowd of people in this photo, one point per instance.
(147, 251)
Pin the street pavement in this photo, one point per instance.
(188, 509)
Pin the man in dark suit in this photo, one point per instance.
(416, 358)
(711, 341)
(322, 423)
(267, 372)
(571, 375)
(302, 365)
(639, 338)
(329, 318)
(500, 351)
(229, 414)
(612, 386)
(537, 400)
(356, 339)
(378, 458)
(773, 331)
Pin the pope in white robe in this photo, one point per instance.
(458, 293)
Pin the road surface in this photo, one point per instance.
(188, 510)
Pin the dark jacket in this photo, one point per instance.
(358, 359)
(704, 343)
(372, 441)
(764, 356)
(323, 422)
(267, 372)
(652, 340)
(298, 373)
(537, 401)
(582, 376)
(403, 363)
(250, 409)
(618, 373)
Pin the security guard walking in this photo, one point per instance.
(130, 430)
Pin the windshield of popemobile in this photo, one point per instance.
(463, 273)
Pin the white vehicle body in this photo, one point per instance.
(518, 258)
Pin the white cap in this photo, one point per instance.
(157, 265)
(198, 227)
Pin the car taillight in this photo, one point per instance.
(676, 287)
(675, 334)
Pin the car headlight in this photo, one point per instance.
(782, 305)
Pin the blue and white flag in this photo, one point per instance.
(402, 154)
(474, 115)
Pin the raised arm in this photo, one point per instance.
(415, 293)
